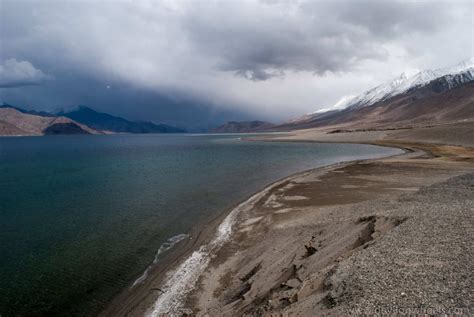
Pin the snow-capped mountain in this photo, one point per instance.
(452, 77)
(417, 99)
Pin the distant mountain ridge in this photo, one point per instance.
(14, 122)
(33, 112)
(19, 121)
(242, 127)
(106, 122)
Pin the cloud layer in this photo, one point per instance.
(273, 59)
(15, 73)
(264, 39)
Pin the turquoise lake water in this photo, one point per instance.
(81, 217)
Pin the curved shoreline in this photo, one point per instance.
(351, 215)
(418, 149)
(137, 301)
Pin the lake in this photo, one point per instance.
(82, 217)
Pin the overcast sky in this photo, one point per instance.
(179, 61)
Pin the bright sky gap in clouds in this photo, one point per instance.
(265, 59)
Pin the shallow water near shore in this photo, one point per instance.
(82, 217)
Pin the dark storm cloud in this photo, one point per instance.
(272, 59)
(269, 38)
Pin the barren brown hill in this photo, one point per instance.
(14, 122)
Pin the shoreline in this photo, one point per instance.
(140, 303)
(133, 296)
(353, 219)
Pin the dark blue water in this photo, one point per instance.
(81, 217)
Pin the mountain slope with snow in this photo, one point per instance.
(425, 98)
(454, 76)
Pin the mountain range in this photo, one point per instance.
(81, 120)
(16, 122)
(422, 98)
(109, 123)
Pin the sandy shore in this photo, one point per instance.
(362, 237)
